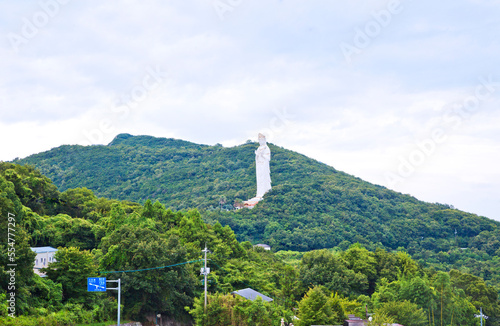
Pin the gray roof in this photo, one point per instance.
(41, 250)
(250, 294)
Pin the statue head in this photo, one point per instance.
(262, 139)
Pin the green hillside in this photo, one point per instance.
(157, 254)
(311, 205)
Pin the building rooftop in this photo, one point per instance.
(41, 250)
(262, 245)
(251, 294)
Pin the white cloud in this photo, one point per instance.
(26, 138)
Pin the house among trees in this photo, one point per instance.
(44, 256)
(238, 204)
(263, 246)
(356, 321)
(251, 294)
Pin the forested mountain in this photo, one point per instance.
(311, 205)
(157, 252)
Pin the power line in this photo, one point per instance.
(184, 263)
(151, 268)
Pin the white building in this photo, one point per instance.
(263, 246)
(44, 256)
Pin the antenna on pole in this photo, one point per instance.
(481, 315)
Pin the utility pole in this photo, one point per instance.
(119, 296)
(98, 284)
(205, 271)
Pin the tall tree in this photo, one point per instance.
(404, 312)
(71, 269)
(318, 309)
(166, 290)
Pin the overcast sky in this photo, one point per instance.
(404, 94)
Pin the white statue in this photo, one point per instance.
(262, 158)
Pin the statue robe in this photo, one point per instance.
(262, 158)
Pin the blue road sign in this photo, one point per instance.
(96, 284)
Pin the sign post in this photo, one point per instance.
(119, 295)
(98, 284)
